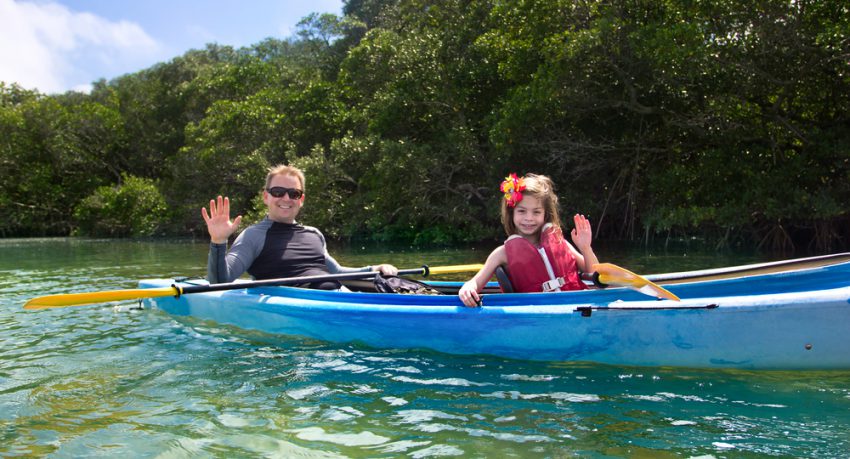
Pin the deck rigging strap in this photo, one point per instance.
(586, 311)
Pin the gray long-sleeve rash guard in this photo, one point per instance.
(270, 250)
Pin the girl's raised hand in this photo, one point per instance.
(218, 220)
(582, 234)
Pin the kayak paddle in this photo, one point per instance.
(608, 274)
(79, 299)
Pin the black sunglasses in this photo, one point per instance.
(279, 191)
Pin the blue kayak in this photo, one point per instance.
(788, 315)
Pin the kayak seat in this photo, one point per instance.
(504, 280)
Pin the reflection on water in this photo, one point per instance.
(112, 381)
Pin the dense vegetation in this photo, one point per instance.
(728, 120)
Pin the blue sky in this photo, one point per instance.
(59, 45)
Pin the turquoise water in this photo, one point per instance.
(117, 381)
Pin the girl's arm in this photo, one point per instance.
(582, 237)
(469, 292)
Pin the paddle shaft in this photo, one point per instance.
(288, 281)
(594, 278)
(78, 299)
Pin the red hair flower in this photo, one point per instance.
(513, 187)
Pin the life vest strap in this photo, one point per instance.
(553, 285)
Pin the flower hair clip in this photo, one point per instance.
(513, 187)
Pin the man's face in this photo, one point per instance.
(283, 209)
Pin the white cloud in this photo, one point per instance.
(46, 46)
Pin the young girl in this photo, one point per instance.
(536, 256)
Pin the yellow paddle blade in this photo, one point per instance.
(454, 269)
(79, 299)
(615, 275)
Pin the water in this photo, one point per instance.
(112, 381)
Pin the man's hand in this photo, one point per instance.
(218, 220)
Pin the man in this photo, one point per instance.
(278, 246)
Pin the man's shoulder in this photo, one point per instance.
(262, 225)
(312, 229)
(257, 231)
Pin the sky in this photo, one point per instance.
(55, 46)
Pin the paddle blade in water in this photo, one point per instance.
(80, 299)
(615, 275)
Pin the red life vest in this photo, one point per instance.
(527, 268)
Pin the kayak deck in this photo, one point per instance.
(792, 319)
(810, 273)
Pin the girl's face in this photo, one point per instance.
(529, 216)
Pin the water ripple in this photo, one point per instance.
(111, 381)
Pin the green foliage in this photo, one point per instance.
(133, 208)
(330, 197)
(727, 120)
(226, 154)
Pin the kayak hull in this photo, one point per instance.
(783, 324)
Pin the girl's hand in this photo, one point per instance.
(218, 220)
(582, 234)
(469, 294)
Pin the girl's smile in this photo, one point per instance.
(529, 217)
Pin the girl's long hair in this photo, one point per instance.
(541, 187)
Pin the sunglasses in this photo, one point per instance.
(279, 191)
